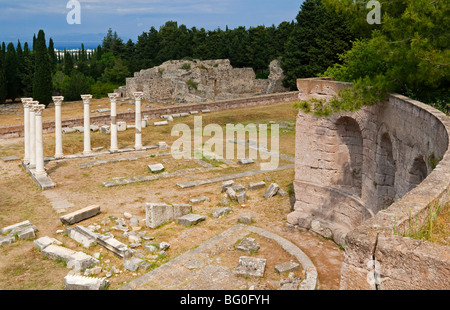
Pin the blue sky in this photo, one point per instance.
(20, 19)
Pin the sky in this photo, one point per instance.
(20, 19)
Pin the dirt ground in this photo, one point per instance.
(23, 267)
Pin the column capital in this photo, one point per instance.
(26, 102)
(113, 96)
(38, 109)
(57, 100)
(33, 105)
(138, 95)
(86, 98)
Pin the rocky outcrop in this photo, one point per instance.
(186, 81)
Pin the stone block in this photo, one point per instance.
(221, 212)
(248, 245)
(121, 126)
(156, 168)
(287, 267)
(251, 267)
(226, 185)
(245, 219)
(79, 260)
(94, 128)
(27, 233)
(241, 197)
(199, 200)
(281, 192)
(158, 214)
(15, 227)
(10, 158)
(80, 215)
(193, 112)
(80, 283)
(231, 194)
(238, 188)
(190, 219)
(68, 130)
(163, 123)
(5, 240)
(256, 186)
(105, 129)
(245, 161)
(180, 210)
(79, 128)
(115, 246)
(82, 235)
(184, 114)
(272, 190)
(44, 242)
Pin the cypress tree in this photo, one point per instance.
(27, 72)
(52, 55)
(42, 82)
(12, 72)
(20, 66)
(68, 63)
(3, 89)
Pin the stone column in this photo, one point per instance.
(40, 171)
(138, 120)
(58, 127)
(113, 99)
(26, 127)
(32, 163)
(87, 124)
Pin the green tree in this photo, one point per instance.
(52, 55)
(12, 72)
(3, 89)
(27, 73)
(408, 53)
(117, 73)
(319, 35)
(74, 86)
(42, 81)
(68, 63)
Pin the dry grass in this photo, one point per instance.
(21, 266)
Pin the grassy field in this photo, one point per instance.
(23, 267)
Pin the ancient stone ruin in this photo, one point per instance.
(186, 81)
(362, 177)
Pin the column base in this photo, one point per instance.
(87, 152)
(59, 156)
(113, 150)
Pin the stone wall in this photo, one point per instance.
(186, 81)
(361, 176)
(155, 113)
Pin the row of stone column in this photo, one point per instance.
(33, 128)
(34, 147)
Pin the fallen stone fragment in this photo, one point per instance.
(281, 192)
(245, 161)
(163, 123)
(156, 168)
(272, 190)
(226, 185)
(10, 158)
(256, 186)
(132, 264)
(82, 235)
(238, 188)
(245, 219)
(44, 242)
(80, 215)
(251, 267)
(287, 267)
(199, 200)
(115, 246)
(163, 246)
(77, 260)
(221, 212)
(78, 283)
(231, 194)
(190, 219)
(241, 197)
(248, 245)
(7, 240)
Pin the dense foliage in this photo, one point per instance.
(407, 53)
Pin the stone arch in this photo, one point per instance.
(418, 172)
(350, 135)
(385, 172)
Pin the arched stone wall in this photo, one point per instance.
(405, 172)
(358, 162)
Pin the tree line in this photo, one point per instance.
(408, 52)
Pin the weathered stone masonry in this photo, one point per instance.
(361, 176)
